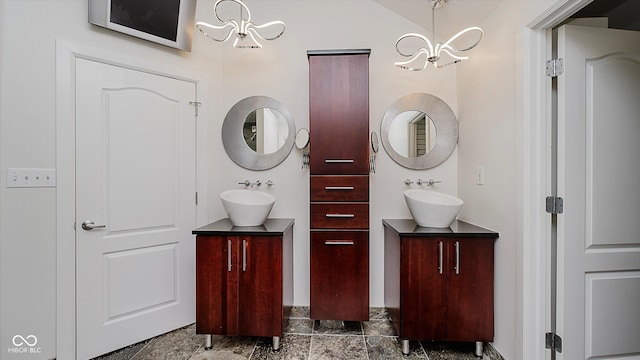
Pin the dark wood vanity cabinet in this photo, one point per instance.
(244, 278)
(339, 184)
(439, 282)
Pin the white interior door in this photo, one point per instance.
(135, 180)
(598, 172)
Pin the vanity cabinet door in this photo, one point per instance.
(340, 275)
(339, 114)
(470, 306)
(240, 285)
(216, 285)
(446, 289)
(260, 286)
(423, 279)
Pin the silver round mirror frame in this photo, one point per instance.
(234, 142)
(443, 119)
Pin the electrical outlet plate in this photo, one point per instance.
(25, 178)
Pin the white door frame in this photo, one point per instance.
(66, 55)
(535, 181)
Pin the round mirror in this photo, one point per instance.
(374, 142)
(265, 130)
(258, 133)
(302, 138)
(419, 131)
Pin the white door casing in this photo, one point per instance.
(598, 168)
(135, 174)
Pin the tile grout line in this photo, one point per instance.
(144, 347)
(195, 352)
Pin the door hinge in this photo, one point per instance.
(555, 205)
(555, 67)
(553, 342)
(196, 198)
(196, 104)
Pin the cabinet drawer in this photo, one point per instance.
(340, 216)
(340, 188)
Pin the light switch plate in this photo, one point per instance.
(480, 176)
(23, 178)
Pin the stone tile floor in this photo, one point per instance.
(303, 339)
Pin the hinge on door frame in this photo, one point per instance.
(196, 104)
(555, 67)
(196, 198)
(555, 205)
(553, 341)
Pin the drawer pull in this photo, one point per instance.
(339, 215)
(338, 242)
(338, 188)
(338, 161)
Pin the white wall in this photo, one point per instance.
(489, 113)
(28, 34)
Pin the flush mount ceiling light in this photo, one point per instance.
(440, 55)
(244, 30)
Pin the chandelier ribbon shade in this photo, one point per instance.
(245, 33)
(423, 52)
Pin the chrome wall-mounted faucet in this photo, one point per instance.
(255, 183)
(420, 182)
(430, 182)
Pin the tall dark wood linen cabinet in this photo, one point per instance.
(339, 194)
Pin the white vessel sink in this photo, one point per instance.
(432, 208)
(247, 207)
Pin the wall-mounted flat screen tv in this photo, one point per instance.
(167, 22)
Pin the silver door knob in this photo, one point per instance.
(90, 225)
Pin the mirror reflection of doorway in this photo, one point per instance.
(420, 135)
(412, 134)
(265, 130)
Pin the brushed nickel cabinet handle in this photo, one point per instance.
(338, 188)
(338, 161)
(457, 258)
(244, 255)
(339, 215)
(338, 242)
(229, 265)
(440, 258)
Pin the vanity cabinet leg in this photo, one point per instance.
(208, 342)
(406, 350)
(479, 349)
(276, 343)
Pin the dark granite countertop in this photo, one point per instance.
(408, 227)
(225, 227)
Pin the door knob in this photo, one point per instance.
(90, 225)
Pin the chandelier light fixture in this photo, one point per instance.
(440, 54)
(246, 33)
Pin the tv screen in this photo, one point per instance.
(167, 22)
